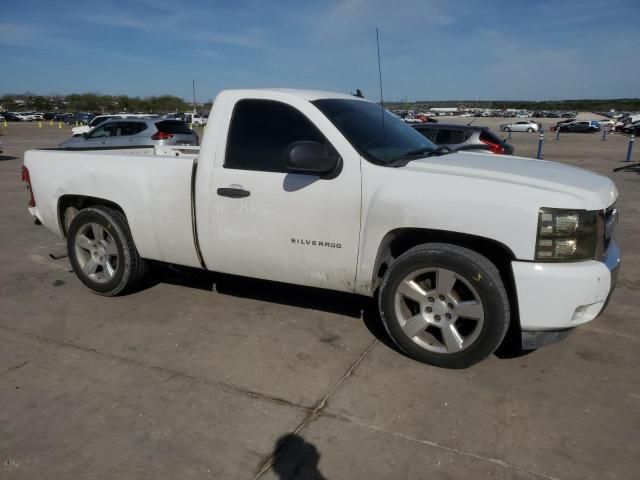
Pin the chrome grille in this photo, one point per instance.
(610, 223)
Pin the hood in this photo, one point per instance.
(593, 191)
(81, 129)
(78, 141)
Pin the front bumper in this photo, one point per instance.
(560, 296)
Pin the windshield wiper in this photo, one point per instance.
(404, 158)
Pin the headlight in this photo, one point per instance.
(566, 235)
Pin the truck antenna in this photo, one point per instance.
(384, 134)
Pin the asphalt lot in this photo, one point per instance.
(206, 376)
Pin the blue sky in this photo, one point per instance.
(430, 49)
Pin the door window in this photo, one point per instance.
(261, 130)
(130, 128)
(108, 130)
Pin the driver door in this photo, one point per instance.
(269, 223)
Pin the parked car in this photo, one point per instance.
(632, 128)
(20, 117)
(63, 117)
(580, 126)
(464, 137)
(607, 123)
(522, 126)
(176, 116)
(306, 187)
(196, 119)
(130, 132)
(561, 122)
(79, 130)
(82, 118)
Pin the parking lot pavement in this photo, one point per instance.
(212, 376)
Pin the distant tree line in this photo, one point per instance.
(587, 105)
(94, 102)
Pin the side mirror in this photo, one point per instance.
(309, 157)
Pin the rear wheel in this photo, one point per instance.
(444, 305)
(530, 130)
(102, 252)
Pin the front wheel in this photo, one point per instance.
(444, 305)
(102, 252)
(530, 130)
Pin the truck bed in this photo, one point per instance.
(151, 185)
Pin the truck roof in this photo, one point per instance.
(309, 95)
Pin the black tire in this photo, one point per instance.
(130, 268)
(530, 130)
(473, 268)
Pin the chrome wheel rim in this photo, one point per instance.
(439, 310)
(96, 252)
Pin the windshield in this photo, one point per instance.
(361, 123)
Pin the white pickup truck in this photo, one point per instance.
(328, 190)
(196, 119)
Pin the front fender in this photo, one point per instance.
(401, 199)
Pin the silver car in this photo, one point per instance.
(523, 126)
(464, 137)
(129, 132)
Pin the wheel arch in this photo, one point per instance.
(78, 202)
(398, 241)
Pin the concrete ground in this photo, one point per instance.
(209, 376)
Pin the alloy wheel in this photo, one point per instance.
(96, 252)
(439, 310)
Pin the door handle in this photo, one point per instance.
(233, 192)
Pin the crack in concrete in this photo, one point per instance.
(313, 414)
(16, 367)
(228, 387)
